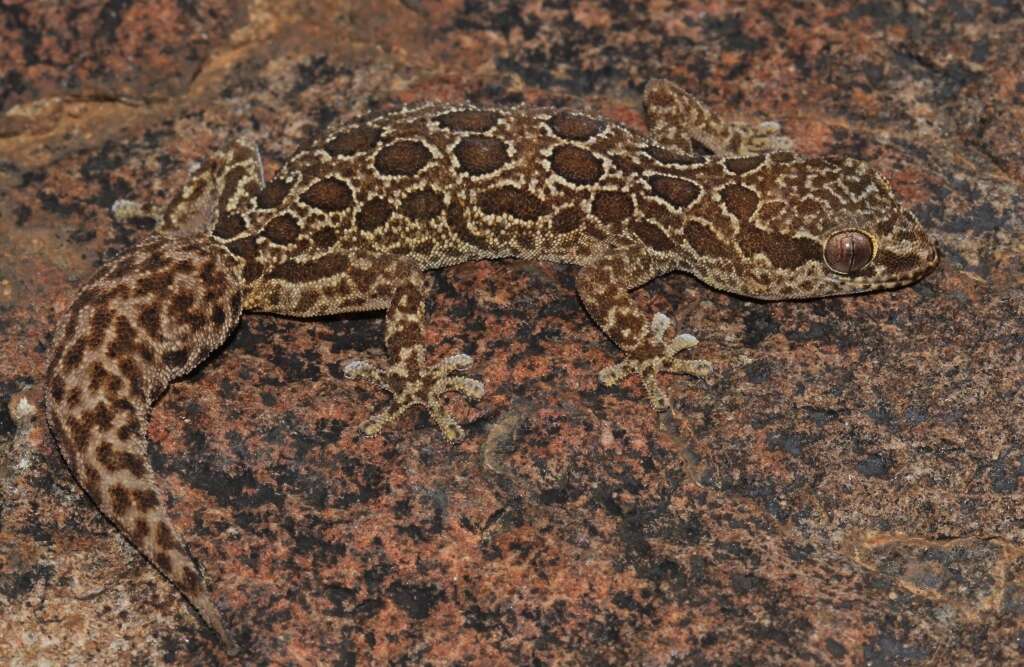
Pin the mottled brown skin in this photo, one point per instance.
(352, 223)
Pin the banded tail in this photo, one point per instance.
(147, 317)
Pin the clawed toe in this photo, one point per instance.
(128, 209)
(662, 360)
(765, 137)
(423, 387)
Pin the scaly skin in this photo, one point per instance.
(352, 223)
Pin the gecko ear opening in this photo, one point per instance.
(848, 251)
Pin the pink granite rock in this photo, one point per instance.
(846, 489)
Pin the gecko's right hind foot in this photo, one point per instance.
(416, 384)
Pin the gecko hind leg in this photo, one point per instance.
(679, 120)
(217, 197)
(426, 389)
(409, 378)
(373, 281)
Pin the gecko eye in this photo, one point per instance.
(848, 251)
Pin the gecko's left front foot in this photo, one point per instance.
(658, 356)
(765, 137)
(411, 382)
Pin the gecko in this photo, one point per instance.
(353, 222)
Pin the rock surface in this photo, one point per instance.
(848, 488)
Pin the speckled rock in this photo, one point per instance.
(847, 488)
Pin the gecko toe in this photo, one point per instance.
(365, 372)
(658, 356)
(766, 137)
(418, 386)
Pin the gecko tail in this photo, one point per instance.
(147, 317)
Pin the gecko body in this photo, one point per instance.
(351, 224)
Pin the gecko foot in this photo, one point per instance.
(127, 209)
(658, 357)
(766, 137)
(416, 384)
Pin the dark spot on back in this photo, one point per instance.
(509, 200)
(481, 155)
(101, 416)
(175, 359)
(422, 204)
(91, 482)
(283, 229)
(704, 241)
(115, 460)
(189, 581)
(245, 249)
(675, 191)
(306, 272)
(306, 301)
(97, 376)
(402, 158)
(146, 499)
(130, 371)
(56, 388)
(666, 156)
(612, 207)
(741, 165)
(149, 320)
(373, 214)
(575, 126)
(229, 226)
(356, 140)
(567, 220)
(740, 201)
(165, 538)
(180, 307)
(273, 194)
(98, 327)
(652, 236)
(576, 165)
(154, 283)
(73, 356)
(125, 432)
(468, 120)
(325, 238)
(455, 217)
(329, 195)
(120, 501)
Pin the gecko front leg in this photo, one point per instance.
(603, 286)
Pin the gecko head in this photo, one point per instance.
(830, 226)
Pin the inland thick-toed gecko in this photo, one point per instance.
(352, 223)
